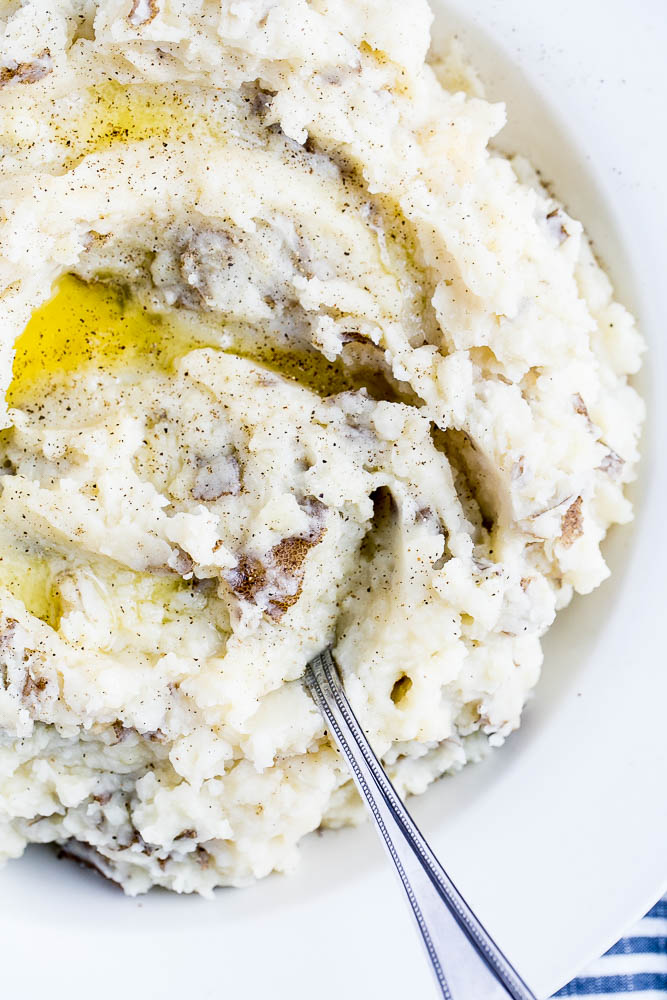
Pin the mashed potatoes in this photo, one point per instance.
(299, 360)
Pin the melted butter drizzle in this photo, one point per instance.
(30, 579)
(112, 113)
(96, 325)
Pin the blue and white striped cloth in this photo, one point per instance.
(636, 965)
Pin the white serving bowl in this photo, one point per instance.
(559, 840)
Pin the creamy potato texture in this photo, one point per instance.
(290, 356)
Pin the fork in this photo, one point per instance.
(467, 963)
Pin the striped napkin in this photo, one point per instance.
(636, 965)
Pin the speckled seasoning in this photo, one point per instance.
(290, 357)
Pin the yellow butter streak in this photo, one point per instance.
(95, 324)
(112, 113)
(86, 324)
(29, 578)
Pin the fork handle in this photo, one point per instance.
(467, 963)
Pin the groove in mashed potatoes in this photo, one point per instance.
(290, 357)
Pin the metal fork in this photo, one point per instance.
(467, 963)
